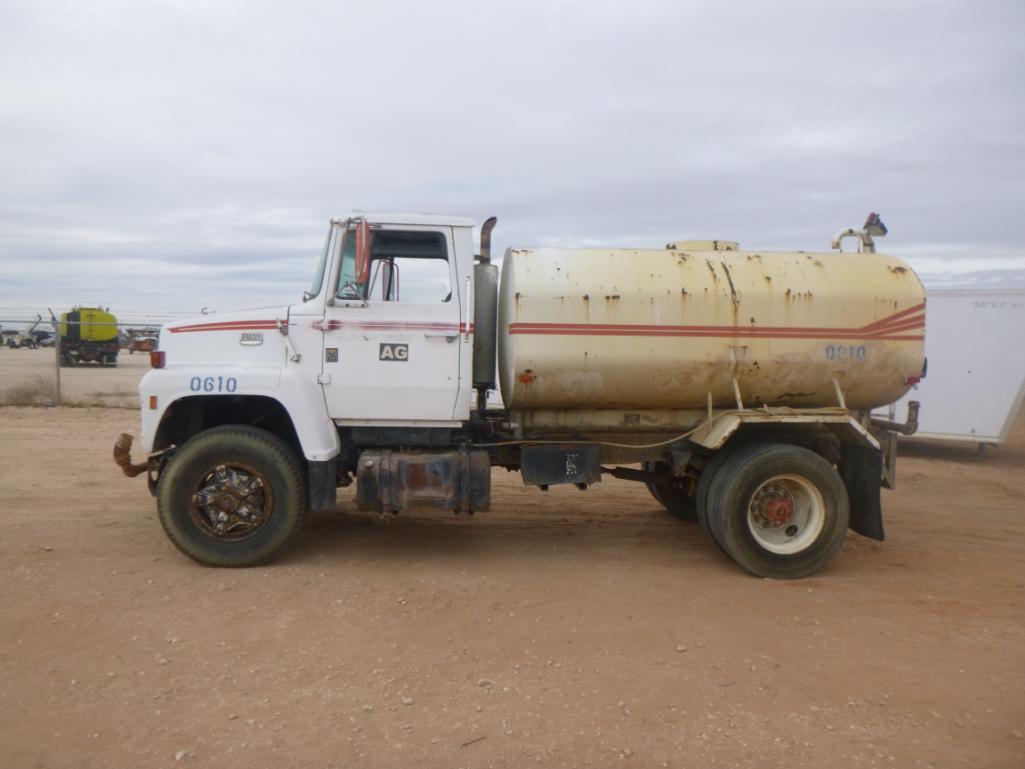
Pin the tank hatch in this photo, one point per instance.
(704, 245)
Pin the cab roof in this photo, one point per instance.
(430, 220)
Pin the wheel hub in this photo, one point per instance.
(231, 502)
(773, 507)
(786, 514)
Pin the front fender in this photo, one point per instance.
(302, 399)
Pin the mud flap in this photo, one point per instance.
(861, 468)
(322, 484)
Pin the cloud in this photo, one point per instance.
(180, 154)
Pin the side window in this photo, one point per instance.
(405, 266)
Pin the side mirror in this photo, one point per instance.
(362, 251)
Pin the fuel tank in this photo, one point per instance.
(624, 329)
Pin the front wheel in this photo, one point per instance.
(232, 496)
(779, 511)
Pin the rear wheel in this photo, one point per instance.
(232, 496)
(708, 472)
(679, 504)
(779, 511)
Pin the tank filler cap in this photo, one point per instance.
(704, 245)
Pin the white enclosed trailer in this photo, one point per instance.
(976, 365)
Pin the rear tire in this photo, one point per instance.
(678, 503)
(232, 496)
(708, 473)
(779, 511)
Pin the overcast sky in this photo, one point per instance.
(176, 155)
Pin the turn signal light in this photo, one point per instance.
(153, 402)
(157, 358)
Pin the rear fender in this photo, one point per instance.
(860, 461)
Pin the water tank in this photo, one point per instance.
(624, 329)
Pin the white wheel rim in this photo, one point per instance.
(786, 514)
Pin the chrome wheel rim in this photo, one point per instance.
(231, 502)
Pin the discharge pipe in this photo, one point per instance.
(910, 427)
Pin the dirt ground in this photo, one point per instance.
(564, 629)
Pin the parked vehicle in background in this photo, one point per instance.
(142, 344)
(741, 383)
(150, 335)
(28, 338)
(88, 335)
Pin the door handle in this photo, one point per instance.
(448, 335)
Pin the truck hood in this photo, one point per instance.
(257, 318)
(246, 337)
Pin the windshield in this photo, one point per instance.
(318, 278)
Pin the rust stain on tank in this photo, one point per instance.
(527, 376)
(729, 278)
(898, 270)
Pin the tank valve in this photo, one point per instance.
(909, 427)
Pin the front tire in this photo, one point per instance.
(232, 496)
(779, 511)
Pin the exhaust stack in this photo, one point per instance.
(485, 317)
(485, 239)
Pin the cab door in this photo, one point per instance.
(394, 329)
